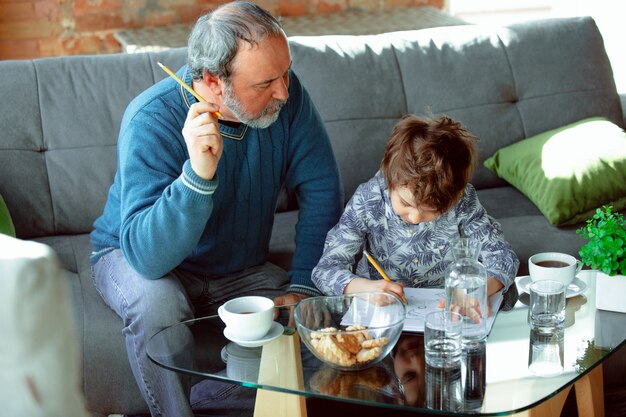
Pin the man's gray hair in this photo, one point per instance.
(214, 40)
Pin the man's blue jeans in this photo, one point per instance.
(148, 306)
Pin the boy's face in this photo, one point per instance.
(408, 365)
(403, 204)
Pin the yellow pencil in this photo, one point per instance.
(184, 84)
(383, 274)
(375, 264)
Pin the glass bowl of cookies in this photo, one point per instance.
(352, 331)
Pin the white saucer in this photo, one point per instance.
(274, 332)
(577, 286)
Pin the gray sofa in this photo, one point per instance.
(60, 118)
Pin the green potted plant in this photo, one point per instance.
(605, 251)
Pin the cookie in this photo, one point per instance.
(372, 343)
(367, 355)
(349, 342)
(336, 354)
(347, 347)
(322, 332)
(361, 335)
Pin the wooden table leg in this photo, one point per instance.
(590, 394)
(589, 398)
(281, 366)
(549, 408)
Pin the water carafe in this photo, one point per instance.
(466, 289)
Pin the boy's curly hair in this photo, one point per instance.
(433, 158)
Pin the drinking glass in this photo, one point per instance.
(547, 305)
(442, 338)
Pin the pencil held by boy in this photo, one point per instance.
(408, 216)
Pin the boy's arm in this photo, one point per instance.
(374, 285)
(496, 253)
(343, 242)
(493, 285)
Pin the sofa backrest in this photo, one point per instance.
(504, 84)
(60, 119)
(61, 115)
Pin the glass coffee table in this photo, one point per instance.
(493, 379)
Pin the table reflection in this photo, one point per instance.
(546, 352)
(444, 387)
(409, 367)
(242, 363)
(460, 387)
(377, 383)
(475, 360)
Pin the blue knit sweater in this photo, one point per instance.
(163, 216)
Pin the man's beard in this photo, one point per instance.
(267, 116)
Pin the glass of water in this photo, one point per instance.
(547, 305)
(442, 338)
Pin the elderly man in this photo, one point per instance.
(189, 216)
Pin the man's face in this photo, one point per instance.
(259, 84)
(264, 119)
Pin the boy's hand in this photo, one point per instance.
(493, 286)
(364, 284)
(203, 139)
(466, 306)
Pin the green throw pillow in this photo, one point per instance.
(6, 224)
(570, 171)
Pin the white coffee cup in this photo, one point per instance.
(247, 318)
(554, 266)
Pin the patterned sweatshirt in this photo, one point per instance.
(416, 255)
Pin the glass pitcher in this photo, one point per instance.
(466, 289)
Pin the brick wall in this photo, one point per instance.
(40, 28)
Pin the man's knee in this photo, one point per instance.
(160, 303)
(150, 303)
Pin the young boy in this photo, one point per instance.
(408, 216)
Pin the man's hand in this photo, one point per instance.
(287, 299)
(203, 139)
(364, 284)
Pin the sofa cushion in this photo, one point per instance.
(533, 234)
(506, 201)
(570, 171)
(61, 134)
(6, 224)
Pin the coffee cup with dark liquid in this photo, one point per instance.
(553, 266)
(247, 318)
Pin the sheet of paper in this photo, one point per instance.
(368, 314)
(422, 301)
